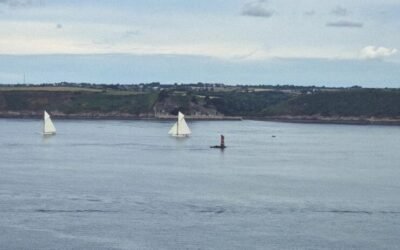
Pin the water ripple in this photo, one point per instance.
(336, 211)
(51, 211)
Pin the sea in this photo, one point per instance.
(102, 184)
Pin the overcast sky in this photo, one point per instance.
(302, 42)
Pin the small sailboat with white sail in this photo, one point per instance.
(48, 126)
(180, 128)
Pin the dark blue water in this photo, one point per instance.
(128, 185)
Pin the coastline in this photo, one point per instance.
(388, 121)
(114, 116)
(351, 120)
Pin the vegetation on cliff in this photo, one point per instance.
(202, 100)
(344, 103)
(77, 102)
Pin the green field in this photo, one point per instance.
(49, 89)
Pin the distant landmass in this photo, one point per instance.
(208, 101)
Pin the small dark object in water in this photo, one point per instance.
(273, 136)
(222, 144)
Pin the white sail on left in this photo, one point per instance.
(48, 126)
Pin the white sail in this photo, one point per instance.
(184, 128)
(48, 128)
(180, 128)
(174, 129)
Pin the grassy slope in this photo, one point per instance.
(360, 102)
(77, 101)
(74, 100)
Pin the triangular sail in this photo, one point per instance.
(48, 127)
(180, 128)
(183, 128)
(174, 129)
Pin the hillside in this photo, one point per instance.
(202, 101)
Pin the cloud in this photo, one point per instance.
(340, 11)
(373, 52)
(21, 3)
(117, 38)
(309, 13)
(131, 33)
(257, 9)
(345, 24)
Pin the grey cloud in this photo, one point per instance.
(340, 11)
(21, 3)
(131, 33)
(310, 13)
(257, 9)
(345, 24)
(117, 38)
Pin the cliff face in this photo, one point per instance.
(188, 104)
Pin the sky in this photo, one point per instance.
(300, 42)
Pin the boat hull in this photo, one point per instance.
(180, 136)
(48, 134)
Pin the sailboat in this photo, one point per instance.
(48, 126)
(180, 128)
